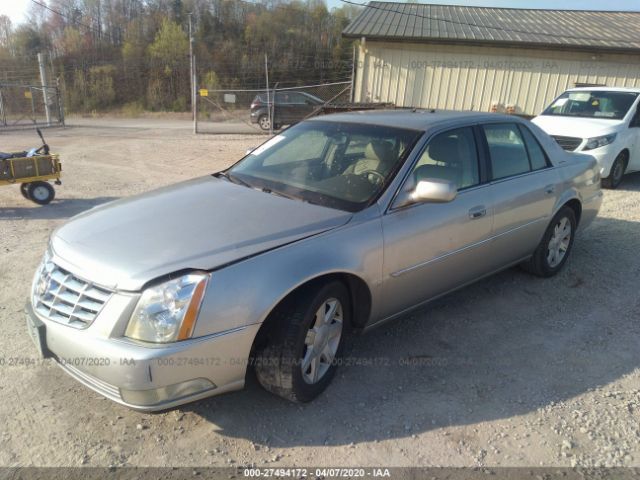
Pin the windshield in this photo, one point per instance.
(592, 104)
(337, 165)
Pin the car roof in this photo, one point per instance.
(605, 89)
(415, 119)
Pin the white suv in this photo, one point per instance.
(602, 121)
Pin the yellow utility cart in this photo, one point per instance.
(32, 170)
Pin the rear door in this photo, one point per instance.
(302, 106)
(524, 186)
(430, 248)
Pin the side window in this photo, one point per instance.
(506, 149)
(452, 156)
(635, 120)
(536, 154)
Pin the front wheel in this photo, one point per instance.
(555, 246)
(264, 122)
(304, 342)
(617, 172)
(41, 192)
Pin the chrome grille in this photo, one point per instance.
(567, 143)
(64, 298)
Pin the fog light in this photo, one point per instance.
(177, 391)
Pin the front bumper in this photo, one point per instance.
(605, 157)
(143, 377)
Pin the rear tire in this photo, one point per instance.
(555, 246)
(41, 193)
(617, 172)
(24, 190)
(305, 340)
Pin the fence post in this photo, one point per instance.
(43, 83)
(2, 112)
(60, 104)
(33, 107)
(266, 73)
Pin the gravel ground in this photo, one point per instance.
(512, 371)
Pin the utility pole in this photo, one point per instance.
(191, 72)
(43, 82)
(194, 80)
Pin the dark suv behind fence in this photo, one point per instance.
(289, 107)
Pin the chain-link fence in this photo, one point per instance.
(25, 105)
(266, 110)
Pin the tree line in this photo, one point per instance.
(134, 54)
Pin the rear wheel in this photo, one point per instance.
(617, 172)
(555, 246)
(305, 340)
(24, 190)
(41, 192)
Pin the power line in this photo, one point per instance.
(45, 6)
(489, 27)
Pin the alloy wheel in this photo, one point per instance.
(322, 341)
(559, 242)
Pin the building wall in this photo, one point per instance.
(473, 78)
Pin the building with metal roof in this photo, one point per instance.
(481, 58)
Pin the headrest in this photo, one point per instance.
(379, 150)
(444, 149)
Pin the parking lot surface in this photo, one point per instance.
(512, 371)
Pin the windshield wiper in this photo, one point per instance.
(279, 193)
(233, 179)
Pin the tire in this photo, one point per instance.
(264, 123)
(287, 364)
(543, 263)
(617, 172)
(24, 190)
(41, 193)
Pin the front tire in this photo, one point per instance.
(41, 192)
(264, 122)
(617, 172)
(555, 246)
(306, 337)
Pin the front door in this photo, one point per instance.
(634, 144)
(430, 248)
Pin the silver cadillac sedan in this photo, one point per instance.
(336, 225)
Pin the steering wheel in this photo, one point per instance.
(374, 176)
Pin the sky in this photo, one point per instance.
(16, 9)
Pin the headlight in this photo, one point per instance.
(597, 142)
(168, 312)
(41, 278)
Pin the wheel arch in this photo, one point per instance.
(359, 293)
(575, 205)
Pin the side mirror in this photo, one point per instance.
(429, 191)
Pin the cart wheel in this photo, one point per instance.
(24, 190)
(41, 192)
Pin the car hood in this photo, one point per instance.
(200, 224)
(577, 127)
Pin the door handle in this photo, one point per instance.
(549, 189)
(477, 212)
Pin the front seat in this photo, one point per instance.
(378, 156)
(445, 151)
